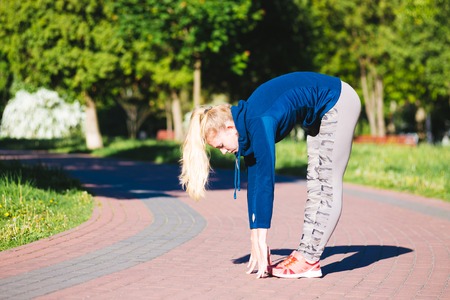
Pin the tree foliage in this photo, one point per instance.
(147, 55)
(397, 50)
(421, 50)
(279, 42)
(68, 46)
(178, 35)
(62, 44)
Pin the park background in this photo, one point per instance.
(115, 78)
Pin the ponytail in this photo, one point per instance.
(195, 167)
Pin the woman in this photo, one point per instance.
(327, 109)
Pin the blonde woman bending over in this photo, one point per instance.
(327, 109)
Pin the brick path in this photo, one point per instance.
(146, 240)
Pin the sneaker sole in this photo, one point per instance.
(308, 274)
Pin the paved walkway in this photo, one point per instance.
(146, 240)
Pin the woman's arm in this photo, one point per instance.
(261, 183)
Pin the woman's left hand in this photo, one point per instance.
(259, 253)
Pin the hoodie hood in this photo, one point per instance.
(239, 113)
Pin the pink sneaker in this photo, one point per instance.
(295, 266)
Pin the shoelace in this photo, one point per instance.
(291, 260)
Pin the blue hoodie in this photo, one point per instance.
(268, 116)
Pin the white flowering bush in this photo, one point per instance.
(41, 115)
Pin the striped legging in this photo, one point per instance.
(328, 155)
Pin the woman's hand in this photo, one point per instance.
(259, 253)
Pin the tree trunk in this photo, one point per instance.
(143, 114)
(372, 87)
(136, 113)
(368, 97)
(131, 112)
(381, 125)
(197, 82)
(168, 110)
(177, 116)
(429, 129)
(93, 135)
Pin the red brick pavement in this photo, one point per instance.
(212, 266)
(110, 222)
(378, 251)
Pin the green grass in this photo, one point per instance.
(74, 144)
(421, 170)
(37, 202)
(148, 150)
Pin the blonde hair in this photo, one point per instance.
(205, 123)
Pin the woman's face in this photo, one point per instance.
(226, 140)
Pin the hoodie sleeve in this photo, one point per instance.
(261, 172)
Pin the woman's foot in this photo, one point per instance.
(296, 266)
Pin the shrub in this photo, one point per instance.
(41, 115)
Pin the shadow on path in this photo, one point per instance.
(124, 179)
(363, 256)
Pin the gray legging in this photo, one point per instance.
(328, 154)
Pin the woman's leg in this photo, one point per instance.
(328, 155)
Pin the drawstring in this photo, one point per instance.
(237, 174)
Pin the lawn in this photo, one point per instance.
(37, 202)
(421, 170)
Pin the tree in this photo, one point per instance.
(422, 42)
(205, 27)
(279, 42)
(398, 49)
(353, 40)
(420, 62)
(68, 46)
(179, 34)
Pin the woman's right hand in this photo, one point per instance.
(259, 253)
